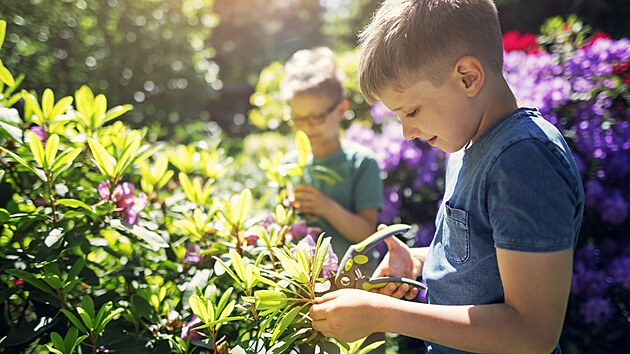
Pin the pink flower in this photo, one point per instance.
(514, 40)
(124, 197)
(187, 330)
(331, 263)
(40, 133)
(192, 253)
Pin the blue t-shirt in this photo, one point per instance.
(516, 188)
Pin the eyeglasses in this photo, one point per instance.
(315, 119)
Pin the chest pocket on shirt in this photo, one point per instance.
(456, 236)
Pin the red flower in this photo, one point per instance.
(594, 38)
(620, 68)
(514, 40)
(626, 79)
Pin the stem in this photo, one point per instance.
(51, 196)
(93, 340)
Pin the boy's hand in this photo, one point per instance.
(346, 314)
(310, 200)
(398, 262)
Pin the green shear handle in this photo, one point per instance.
(351, 274)
(377, 283)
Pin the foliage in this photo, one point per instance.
(157, 53)
(188, 264)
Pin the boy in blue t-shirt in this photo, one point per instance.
(499, 268)
(347, 209)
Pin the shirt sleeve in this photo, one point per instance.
(368, 186)
(533, 198)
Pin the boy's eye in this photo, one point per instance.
(413, 113)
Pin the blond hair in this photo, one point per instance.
(412, 40)
(312, 71)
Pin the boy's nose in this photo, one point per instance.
(410, 133)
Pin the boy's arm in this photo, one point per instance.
(536, 287)
(355, 227)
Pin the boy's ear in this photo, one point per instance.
(469, 72)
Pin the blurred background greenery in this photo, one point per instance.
(185, 61)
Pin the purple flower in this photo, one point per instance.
(425, 235)
(40, 133)
(192, 253)
(331, 263)
(614, 208)
(392, 202)
(619, 269)
(380, 113)
(187, 330)
(597, 311)
(126, 202)
(590, 282)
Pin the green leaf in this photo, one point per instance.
(28, 331)
(237, 264)
(14, 132)
(3, 31)
(53, 237)
(75, 321)
(76, 268)
(31, 102)
(303, 145)
(71, 337)
(5, 76)
(111, 315)
(244, 205)
(269, 299)
(99, 105)
(228, 270)
(321, 251)
(21, 161)
(371, 347)
(58, 342)
(65, 160)
(291, 266)
(116, 112)
(285, 322)
(60, 108)
(201, 308)
(74, 203)
(85, 317)
(31, 279)
(48, 102)
(225, 297)
(52, 146)
(105, 162)
(37, 149)
(141, 307)
(88, 305)
(125, 158)
(84, 98)
(153, 240)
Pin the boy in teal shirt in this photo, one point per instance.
(346, 210)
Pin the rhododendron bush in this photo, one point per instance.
(113, 242)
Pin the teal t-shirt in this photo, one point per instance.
(358, 188)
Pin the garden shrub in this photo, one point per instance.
(109, 242)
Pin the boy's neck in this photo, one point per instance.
(499, 100)
(327, 149)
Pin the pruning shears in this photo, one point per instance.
(350, 273)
